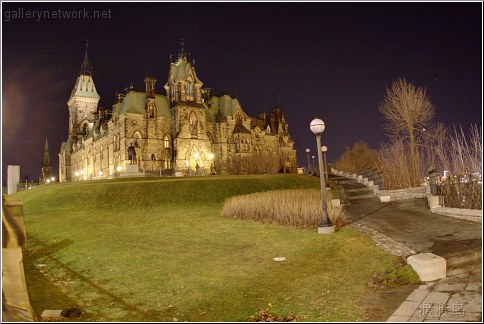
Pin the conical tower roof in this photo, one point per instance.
(46, 157)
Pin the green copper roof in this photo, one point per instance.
(135, 102)
(85, 87)
(179, 71)
(226, 105)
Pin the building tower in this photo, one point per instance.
(83, 101)
(184, 93)
(82, 105)
(46, 165)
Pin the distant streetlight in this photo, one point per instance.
(118, 168)
(317, 127)
(100, 173)
(309, 164)
(325, 149)
(314, 165)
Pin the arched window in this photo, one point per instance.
(137, 139)
(153, 158)
(166, 141)
(238, 117)
(193, 125)
(237, 144)
(84, 129)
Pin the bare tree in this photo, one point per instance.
(408, 115)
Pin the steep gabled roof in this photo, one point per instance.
(134, 103)
(84, 87)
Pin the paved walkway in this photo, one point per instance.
(408, 227)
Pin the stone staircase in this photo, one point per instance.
(353, 189)
(464, 261)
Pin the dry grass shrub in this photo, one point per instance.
(396, 164)
(360, 157)
(257, 163)
(300, 208)
(461, 155)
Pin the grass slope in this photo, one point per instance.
(158, 250)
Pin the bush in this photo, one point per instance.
(458, 194)
(300, 208)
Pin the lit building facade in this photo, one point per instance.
(187, 131)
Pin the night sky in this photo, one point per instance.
(330, 60)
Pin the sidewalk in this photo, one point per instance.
(408, 227)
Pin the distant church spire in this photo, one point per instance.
(182, 53)
(46, 165)
(86, 69)
(46, 158)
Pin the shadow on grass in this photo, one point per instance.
(45, 292)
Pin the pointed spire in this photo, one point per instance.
(182, 53)
(86, 69)
(46, 157)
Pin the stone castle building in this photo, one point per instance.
(187, 131)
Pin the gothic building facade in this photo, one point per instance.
(184, 132)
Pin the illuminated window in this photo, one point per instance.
(166, 141)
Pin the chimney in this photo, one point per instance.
(120, 97)
(150, 87)
(206, 94)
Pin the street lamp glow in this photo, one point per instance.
(100, 173)
(211, 156)
(317, 127)
(325, 149)
(118, 168)
(196, 155)
(84, 178)
(76, 173)
(52, 179)
(82, 172)
(48, 181)
(309, 163)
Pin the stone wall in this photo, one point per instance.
(401, 194)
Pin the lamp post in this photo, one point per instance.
(309, 165)
(317, 127)
(314, 166)
(325, 149)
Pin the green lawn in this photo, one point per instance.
(158, 250)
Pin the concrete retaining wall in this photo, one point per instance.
(435, 206)
(401, 194)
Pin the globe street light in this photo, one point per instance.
(325, 149)
(309, 165)
(317, 127)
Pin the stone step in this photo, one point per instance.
(358, 190)
(368, 196)
(470, 266)
(463, 256)
(347, 181)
